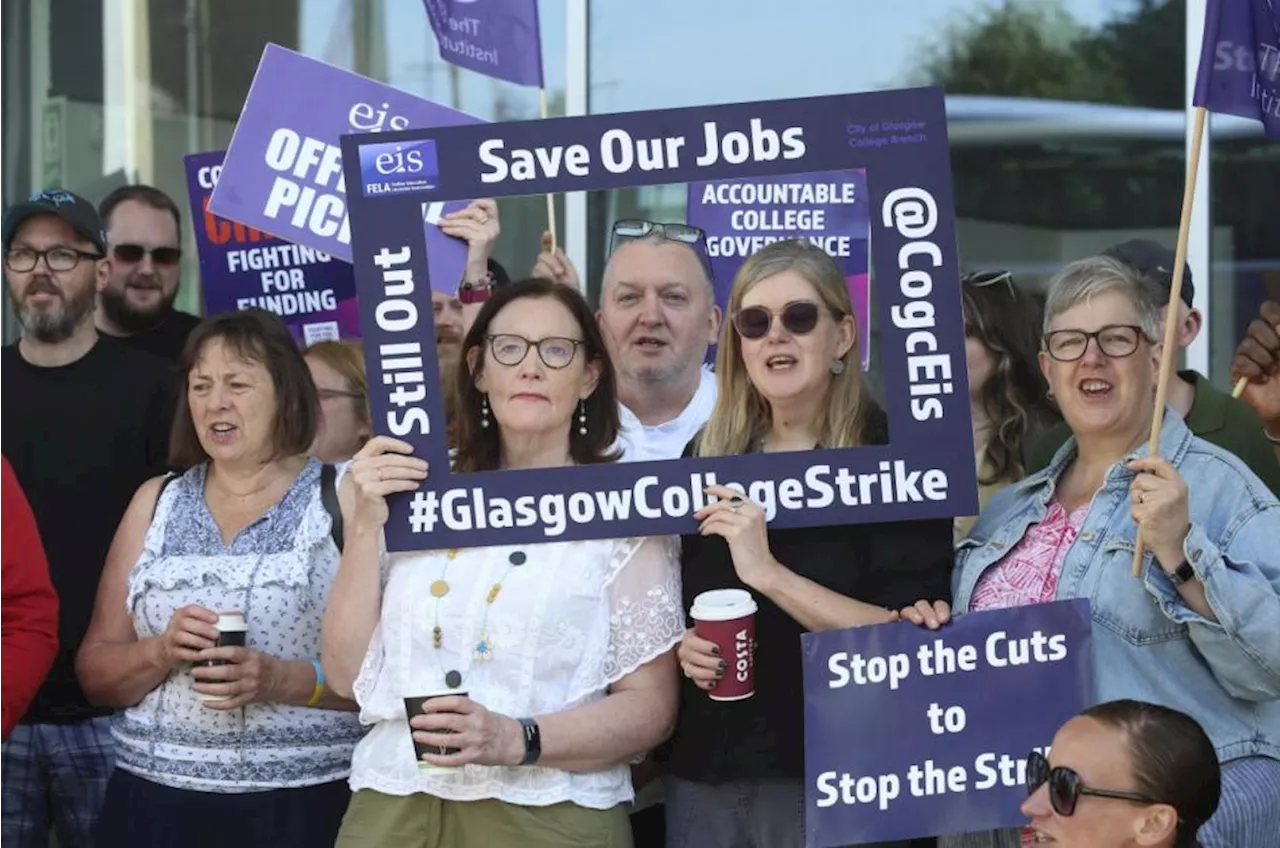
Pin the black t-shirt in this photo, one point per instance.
(165, 340)
(890, 565)
(81, 439)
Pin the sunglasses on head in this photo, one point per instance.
(1065, 786)
(637, 228)
(983, 279)
(159, 255)
(798, 317)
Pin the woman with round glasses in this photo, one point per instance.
(1124, 773)
(1199, 629)
(552, 661)
(1007, 394)
(789, 380)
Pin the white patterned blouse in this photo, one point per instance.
(569, 619)
(278, 570)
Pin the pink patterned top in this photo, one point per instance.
(1029, 573)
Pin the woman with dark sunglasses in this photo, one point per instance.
(789, 380)
(1199, 628)
(1123, 773)
(1007, 395)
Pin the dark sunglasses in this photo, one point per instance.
(1065, 786)
(983, 279)
(159, 255)
(798, 317)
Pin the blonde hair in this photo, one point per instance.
(742, 416)
(347, 358)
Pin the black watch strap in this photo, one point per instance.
(1182, 573)
(532, 741)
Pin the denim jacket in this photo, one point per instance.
(1147, 643)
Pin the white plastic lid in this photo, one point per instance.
(723, 605)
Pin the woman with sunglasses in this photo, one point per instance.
(553, 661)
(789, 380)
(1123, 773)
(1199, 629)
(1007, 394)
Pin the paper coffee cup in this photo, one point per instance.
(412, 707)
(232, 630)
(728, 618)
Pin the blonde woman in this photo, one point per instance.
(788, 380)
(337, 368)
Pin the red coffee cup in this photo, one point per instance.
(728, 618)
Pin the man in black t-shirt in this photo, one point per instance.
(144, 256)
(86, 422)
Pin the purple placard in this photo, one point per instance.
(283, 169)
(910, 732)
(241, 267)
(1239, 72)
(830, 209)
(498, 38)
(898, 137)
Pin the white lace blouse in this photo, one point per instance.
(570, 619)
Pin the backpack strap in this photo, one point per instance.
(329, 497)
(169, 477)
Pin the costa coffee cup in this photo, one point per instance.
(728, 618)
(232, 630)
(413, 706)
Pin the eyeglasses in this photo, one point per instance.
(132, 253)
(555, 352)
(637, 228)
(23, 259)
(798, 317)
(983, 279)
(1114, 340)
(1065, 787)
(332, 394)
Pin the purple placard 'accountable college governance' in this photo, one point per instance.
(910, 732)
(898, 137)
(241, 267)
(830, 210)
(283, 169)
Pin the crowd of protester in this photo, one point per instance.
(163, 475)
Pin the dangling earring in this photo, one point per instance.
(837, 366)
(582, 417)
(484, 411)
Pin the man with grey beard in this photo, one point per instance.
(86, 423)
(144, 267)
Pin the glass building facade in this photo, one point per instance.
(1067, 118)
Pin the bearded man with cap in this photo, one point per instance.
(1209, 413)
(86, 422)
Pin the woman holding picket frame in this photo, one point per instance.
(552, 661)
(1199, 629)
(789, 380)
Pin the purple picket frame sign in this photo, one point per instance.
(282, 172)
(497, 39)
(898, 137)
(242, 267)
(831, 209)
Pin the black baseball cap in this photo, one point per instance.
(70, 207)
(1156, 262)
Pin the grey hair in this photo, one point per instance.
(658, 239)
(1095, 275)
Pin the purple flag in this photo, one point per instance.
(283, 169)
(498, 38)
(1240, 61)
(241, 267)
(829, 209)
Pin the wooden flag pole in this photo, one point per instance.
(551, 200)
(1175, 294)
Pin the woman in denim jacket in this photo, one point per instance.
(1199, 631)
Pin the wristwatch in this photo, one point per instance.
(1182, 573)
(476, 291)
(532, 741)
